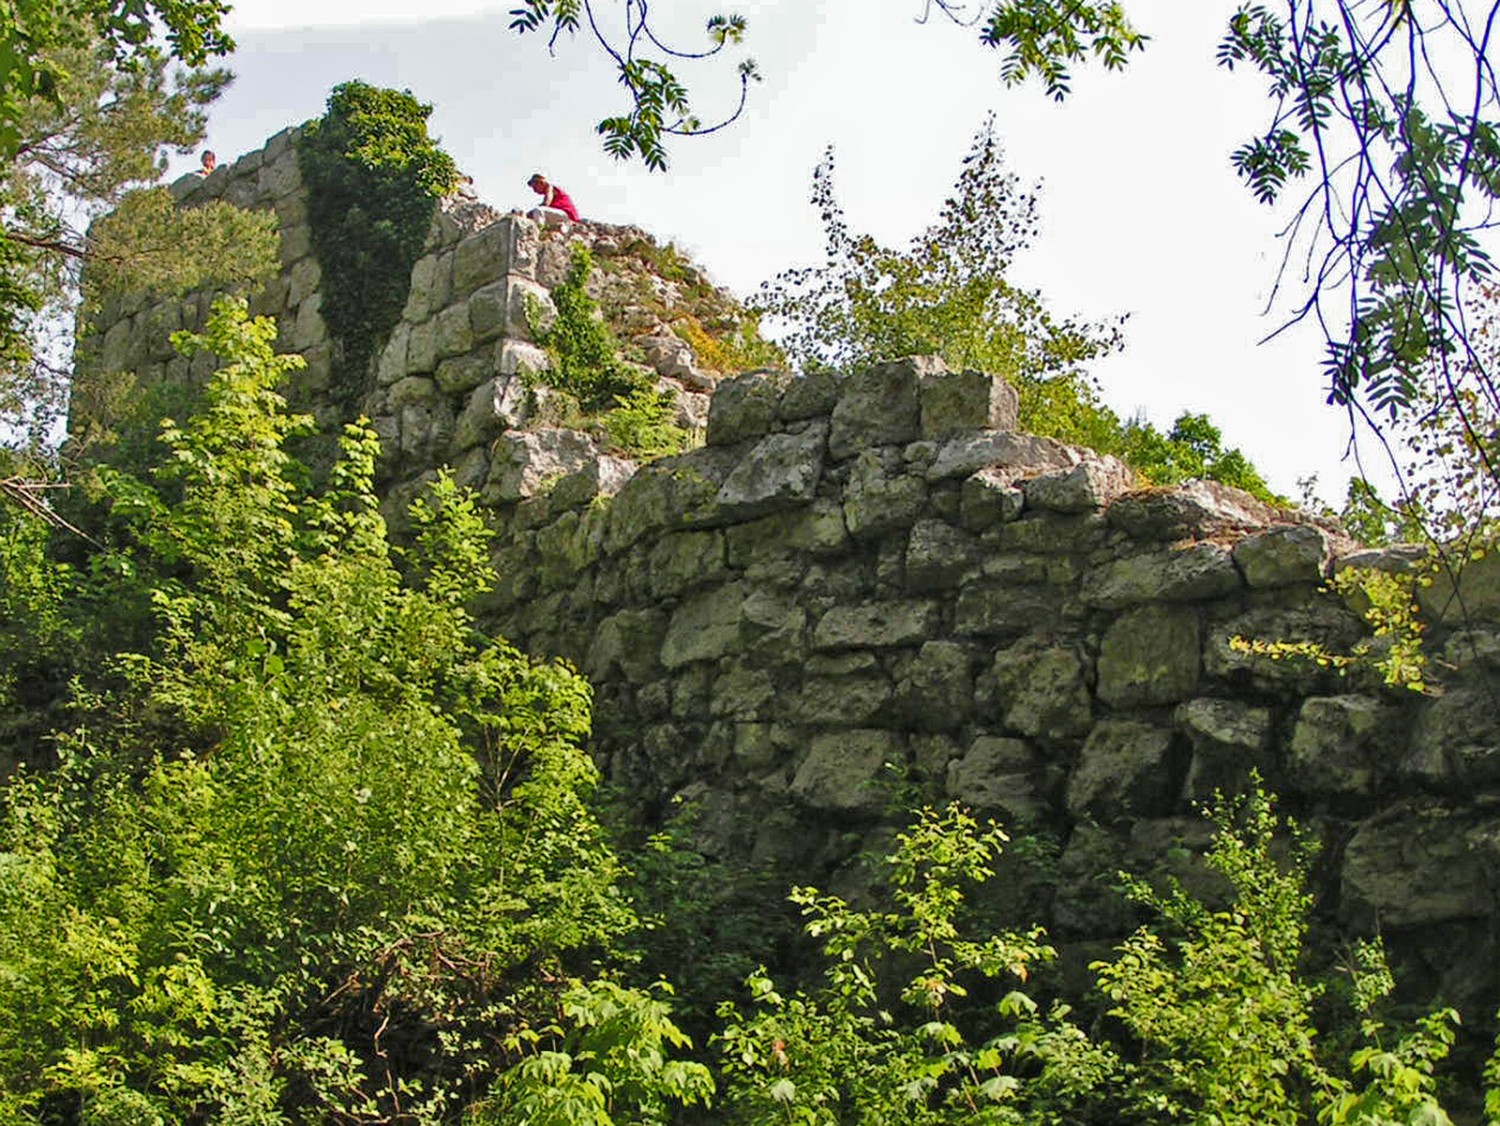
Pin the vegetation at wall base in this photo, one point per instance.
(374, 178)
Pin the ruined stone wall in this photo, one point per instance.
(866, 590)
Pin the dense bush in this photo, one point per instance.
(374, 177)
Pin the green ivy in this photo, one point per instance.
(374, 177)
(585, 354)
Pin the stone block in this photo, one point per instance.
(935, 688)
(308, 330)
(1474, 597)
(1150, 655)
(705, 627)
(988, 498)
(1333, 747)
(1198, 572)
(603, 477)
(459, 375)
(879, 497)
(683, 560)
(938, 556)
(1195, 510)
(782, 471)
(845, 701)
(421, 348)
(847, 771)
(454, 336)
(516, 357)
(1087, 487)
(392, 364)
(490, 254)
(994, 776)
(303, 279)
(627, 641)
(280, 176)
(964, 401)
(744, 407)
(1284, 556)
(876, 625)
(296, 243)
(809, 395)
(525, 463)
(880, 406)
(1124, 772)
(1230, 739)
(1419, 864)
(994, 610)
(1040, 690)
(742, 693)
(1026, 454)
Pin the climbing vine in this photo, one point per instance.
(374, 177)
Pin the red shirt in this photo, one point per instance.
(558, 198)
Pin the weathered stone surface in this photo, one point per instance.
(880, 406)
(990, 497)
(1123, 772)
(744, 407)
(1474, 597)
(706, 626)
(957, 402)
(1229, 738)
(421, 349)
(627, 641)
(1087, 487)
(603, 477)
(1420, 864)
(459, 375)
(995, 776)
(526, 462)
(808, 395)
(1039, 690)
(493, 406)
(304, 278)
(1292, 553)
(875, 625)
(967, 454)
(490, 253)
(1195, 573)
(844, 701)
(938, 555)
(1150, 656)
(879, 497)
(1004, 610)
(1196, 510)
(935, 688)
(454, 335)
(1324, 622)
(686, 559)
(1334, 745)
(782, 470)
(846, 772)
(1456, 741)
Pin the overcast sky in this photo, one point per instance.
(1141, 213)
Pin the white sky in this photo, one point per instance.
(1141, 213)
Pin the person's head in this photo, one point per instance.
(209, 160)
(538, 183)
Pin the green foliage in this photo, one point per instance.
(1042, 39)
(1192, 449)
(864, 1048)
(101, 130)
(641, 425)
(374, 177)
(314, 849)
(1389, 605)
(584, 354)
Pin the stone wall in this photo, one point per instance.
(869, 589)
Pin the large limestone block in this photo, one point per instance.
(844, 701)
(705, 627)
(1230, 739)
(880, 496)
(296, 243)
(961, 401)
(809, 395)
(938, 555)
(627, 641)
(1005, 609)
(1198, 572)
(280, 176)
(391, 366)
(1420, 864)
(603, 477)
(846, 771)
(1293, 553)
(421, 348)
(744, 408)
(1150, 656)
(495, 405)
(526, 462)
(308, 330)
(1474, 597)
(683, 560)
(1040, 689)
(990, 497)
(781, 471)
(458, 375)
(1325, 621)
(1124, 772)
(455, 336)
(504, 247)
(1336, 744)
(1196, 510)
(1086, 487)
(880, 406)
(1027, 454)
(1455, 743)
(876, 625)
(743, 693)
(994, 776)
(516, 357)
(935, 687)
(507, 308)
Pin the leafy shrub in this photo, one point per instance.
(584, 353)
(374, 178)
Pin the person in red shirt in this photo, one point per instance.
(555, 202)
